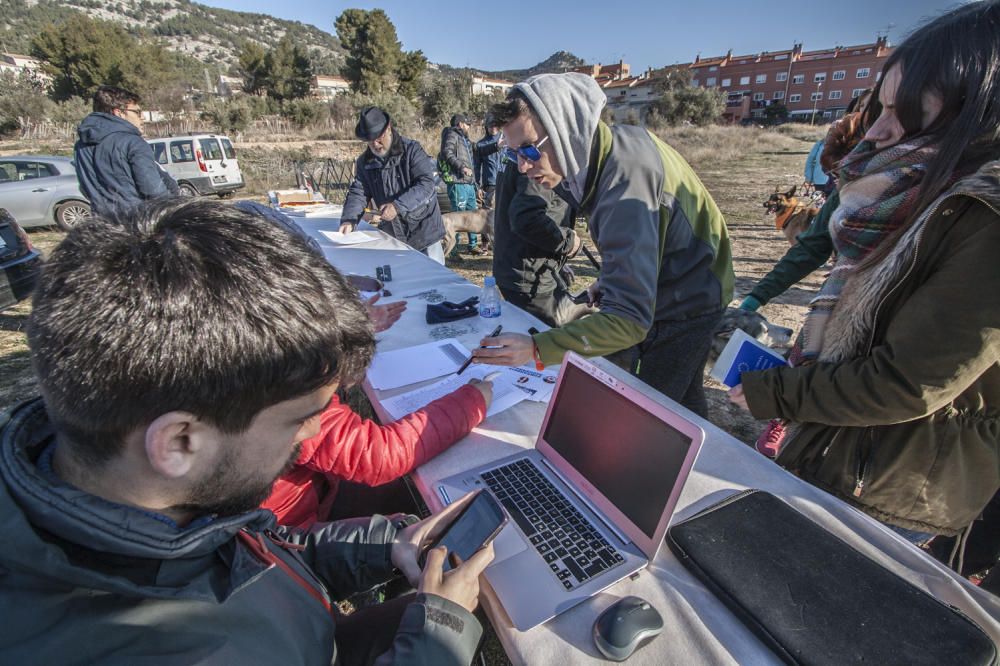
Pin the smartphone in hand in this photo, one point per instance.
(477, 525)
(581, 298)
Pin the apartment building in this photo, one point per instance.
(812, 85)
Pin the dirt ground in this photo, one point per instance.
(740, 167)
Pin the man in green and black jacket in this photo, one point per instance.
(666, 271)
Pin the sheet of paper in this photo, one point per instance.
(353, 238)
(402, 367)
(505, 393)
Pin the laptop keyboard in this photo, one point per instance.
(569, 544)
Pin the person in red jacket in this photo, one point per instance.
(353, 449)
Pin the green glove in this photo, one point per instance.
(750, 303)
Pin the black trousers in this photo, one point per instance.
(672, 359)
(357, 499)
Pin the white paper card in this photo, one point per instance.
(536, 384)
(402, 367)
(353, 238)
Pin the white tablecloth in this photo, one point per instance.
(699, 629)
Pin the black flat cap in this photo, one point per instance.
(371, 123)
(459, 118)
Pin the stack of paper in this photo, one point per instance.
(402, 367)
(505, 395)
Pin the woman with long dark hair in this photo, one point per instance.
(897, 399)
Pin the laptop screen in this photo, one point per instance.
(629, 455)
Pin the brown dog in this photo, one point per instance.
(477, 221)
(791, 217)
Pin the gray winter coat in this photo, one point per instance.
(115, 165)
(94, 582)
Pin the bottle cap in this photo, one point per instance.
(489, 281)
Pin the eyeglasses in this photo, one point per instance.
(529, 152)
(133, 110)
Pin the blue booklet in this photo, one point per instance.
(744, 353)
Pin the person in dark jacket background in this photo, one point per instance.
(533, 238)
(398, 176)
(129, 491)
(486, 161)
(114, 164)
(455, 164)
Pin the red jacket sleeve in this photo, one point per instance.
(362, 451)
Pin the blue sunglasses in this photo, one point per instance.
(529, 152)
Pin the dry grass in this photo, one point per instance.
(16, 380)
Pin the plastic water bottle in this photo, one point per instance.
(489, 300)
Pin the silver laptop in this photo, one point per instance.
(591, 503)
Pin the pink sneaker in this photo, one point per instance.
(769, 442)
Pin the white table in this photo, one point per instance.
(699, 629)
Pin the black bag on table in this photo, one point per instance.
(811, 597)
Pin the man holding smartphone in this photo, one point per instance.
(130, 491)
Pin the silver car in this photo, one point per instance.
(41, 190)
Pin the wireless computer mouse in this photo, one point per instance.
(624, 626)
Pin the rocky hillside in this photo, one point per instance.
(210, 35)
(560, 61)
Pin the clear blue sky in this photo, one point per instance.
(514, 34)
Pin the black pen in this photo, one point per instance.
(468, 361)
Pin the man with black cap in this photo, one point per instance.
(456, 167)
(398, 176)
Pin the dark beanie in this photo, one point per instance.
(371, 123)
(459, 118)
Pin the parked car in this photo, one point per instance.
(20, 263)
(200, 163)
(41, 190)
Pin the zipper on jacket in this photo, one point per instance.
(864, 455)
(833, 439)
(255, 544)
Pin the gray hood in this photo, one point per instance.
(569, 106)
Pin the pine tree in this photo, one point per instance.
(376, 62)
(289, 73)
(82, 54)
(252, 66)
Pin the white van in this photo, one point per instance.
(200, 163)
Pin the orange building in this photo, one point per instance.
(812, 85)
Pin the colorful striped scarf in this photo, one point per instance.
(877, 191)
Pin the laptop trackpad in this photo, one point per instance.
(508, 543)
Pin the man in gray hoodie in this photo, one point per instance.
(196, 349)
(666, 272)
